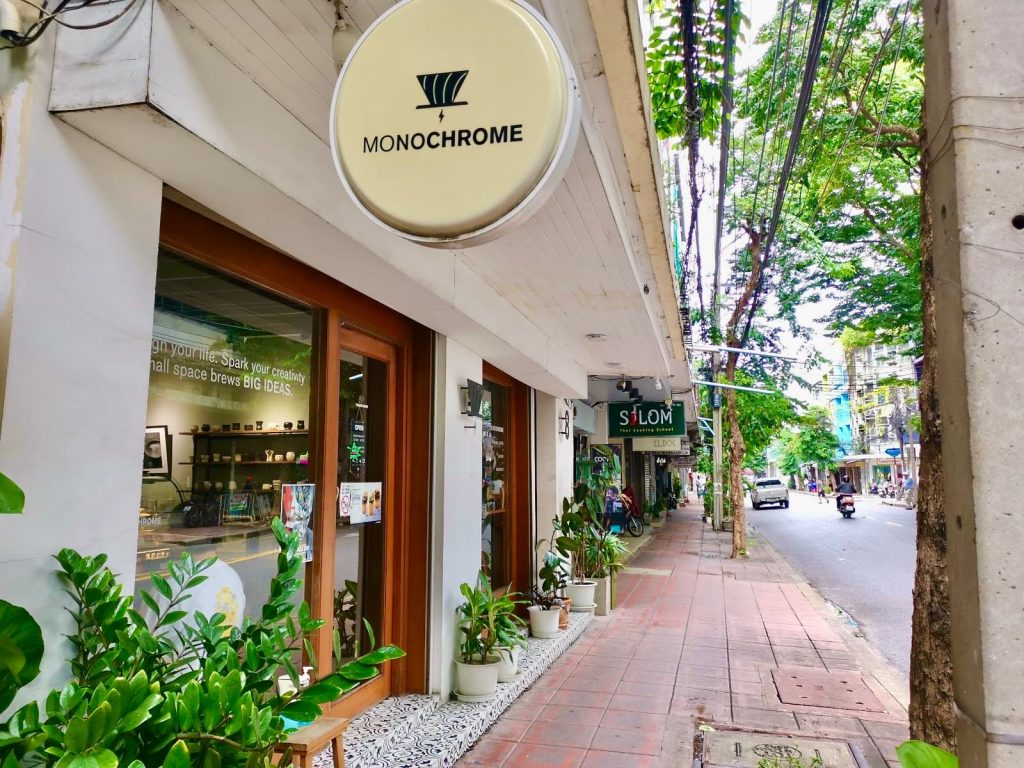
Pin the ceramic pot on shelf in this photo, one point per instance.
(478, 682)
(544, 621)
(582, 594)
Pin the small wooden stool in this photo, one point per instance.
(310, 741)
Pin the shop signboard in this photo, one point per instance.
(360, 503)
(447, 133)
(894, 452)
(653, 419)
(660, 444)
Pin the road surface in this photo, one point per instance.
(865, 565)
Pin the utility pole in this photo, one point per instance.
(716, 415)
(716, 425)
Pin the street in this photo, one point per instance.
(865, 565)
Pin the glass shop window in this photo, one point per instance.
(226, 445)
(494, 557)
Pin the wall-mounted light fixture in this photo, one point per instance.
(564, 419)
(472, 398)
(346, 34)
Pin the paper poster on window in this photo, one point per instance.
(297, 514)
(359, 503)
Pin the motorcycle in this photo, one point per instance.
(846, 507)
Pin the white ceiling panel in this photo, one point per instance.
(568, 269)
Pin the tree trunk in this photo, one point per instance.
(737, 447)
(737, 451)
(932, 710)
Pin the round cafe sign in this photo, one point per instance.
(454, 119)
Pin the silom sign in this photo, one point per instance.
(453, 120)
(646, 419)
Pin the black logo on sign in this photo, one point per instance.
(442, 89)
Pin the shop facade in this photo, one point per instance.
(202, 289)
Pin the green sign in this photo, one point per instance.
(646, 420)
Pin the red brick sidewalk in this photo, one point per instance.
(695, 636)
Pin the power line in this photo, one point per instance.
(723, 158)
(771, 96)
(824, 8)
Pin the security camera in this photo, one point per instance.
(624, 384)
(11, 25)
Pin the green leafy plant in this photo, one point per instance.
(918, 754)
(552, 581)
(605, 555)
(12, 498)
(487, 622)
(178, 689)
(346, 619)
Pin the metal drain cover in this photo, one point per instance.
(741, 749)
(831, 690)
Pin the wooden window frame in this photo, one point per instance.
(346, 318)
(519, 545)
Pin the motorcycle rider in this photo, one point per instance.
(845, 488)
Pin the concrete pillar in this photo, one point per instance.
(975, 109)
(554, 470)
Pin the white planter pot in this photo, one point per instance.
(544, 622)
(582, 594)
(603, 597)
(477, 680)
(508, 666)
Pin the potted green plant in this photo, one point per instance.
(179, 689)
(605, 558)
(486, 621)
(545, 603)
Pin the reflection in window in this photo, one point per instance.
(228, 415)
(362, 466)
(493, 555)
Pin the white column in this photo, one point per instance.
(455, 555)
(79, 234)
(554, 471)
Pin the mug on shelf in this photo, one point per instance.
(232, 485)
(248, 427)
(194, 428)
(204, 458)
(236, 426)
(259, 424)
(301, 424)
(238, 457)
(266, 487)
(206, 427)
(219, 486)
(278, 457)
(207, 485)
(290, 456)
(287, 425)
(225, 428)
(216, 457)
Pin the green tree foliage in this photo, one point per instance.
(850, 228)
(817, 443)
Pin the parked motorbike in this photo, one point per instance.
(846, 506)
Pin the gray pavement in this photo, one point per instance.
(865, 565)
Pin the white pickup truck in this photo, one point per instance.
(769, 492)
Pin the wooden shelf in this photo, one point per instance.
(252, 433)
(241, 463)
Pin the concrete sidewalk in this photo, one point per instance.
(698, 637)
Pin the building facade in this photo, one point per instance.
(182, 272)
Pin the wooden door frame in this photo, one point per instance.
(517, 470)
(345, 316)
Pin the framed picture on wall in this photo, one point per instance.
(156, 452)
